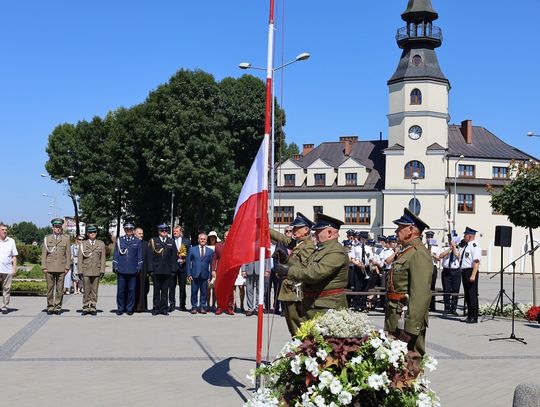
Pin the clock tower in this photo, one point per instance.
(417, 120)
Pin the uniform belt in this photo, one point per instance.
(396, 296)
(323, 293)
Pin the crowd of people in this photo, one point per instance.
(308, 272)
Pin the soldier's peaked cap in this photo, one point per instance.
(409, 218)
(469, 231)
(163, 226)
(129, 225)
(430, 233)
(323, 221)
(301, 221)
(91, 228)
(57, 222)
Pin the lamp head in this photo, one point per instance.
(303, 56)
(244, 65)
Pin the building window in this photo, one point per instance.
(316, 210)
(283, 214)
(414, 166)
(416, 60)
(351, 178)
(290, 180)
(320, 179)
(465, 203)
(416, 97)
(500, 172)
(466, 171)
(358, 215)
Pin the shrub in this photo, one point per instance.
(34, 272)
(29, 287)
(28, 254)
(108, 278)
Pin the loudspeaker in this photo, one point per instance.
(503, 236)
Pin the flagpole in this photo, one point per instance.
(267, 130)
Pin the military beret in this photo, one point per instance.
(410, 219)
(323, 221)
(301, 221)
(57, 222)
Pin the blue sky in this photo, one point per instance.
(65, 61)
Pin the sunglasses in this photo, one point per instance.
(288, 231)
(80, 240)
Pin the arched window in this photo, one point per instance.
(414, 166)
(416, 97)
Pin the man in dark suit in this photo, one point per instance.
(182, 246)
(162, 256)
(198, 271)
(127, 262)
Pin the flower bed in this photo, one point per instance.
(520, 311)
(533, 314)
(339, 359)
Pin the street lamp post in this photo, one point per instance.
(53, 205)
(73, 197)
(246, 65)
(461, 157)
(414, 182)
(172, 211)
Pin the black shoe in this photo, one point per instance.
(57, 312)
(50, 312)
(129, 312)
(4, 311)
(183, 309)
(171, 309)
(85, 312)
(155, 312)
(164, 313)
(94, 313)
(119, 312)
(472, 321)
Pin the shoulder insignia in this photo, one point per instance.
(474, 244)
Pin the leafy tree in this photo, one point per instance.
(287, 151)
(26, 232)
(520, 201)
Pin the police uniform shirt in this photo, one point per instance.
(435, 251)
(469, 254)
(446, 260)
(386, 253)
(357, 253)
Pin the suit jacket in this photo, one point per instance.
(56, 254)
(91, 258)
(162, 256)
(197, 267)
(182, 262)
(128, 255)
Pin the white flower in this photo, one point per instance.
(428, 400)
(325, 379)
(319, 401)
(430, 363)
(296, 343)
(336, 386)
(332, 404)
(251, 376)
(356, 360)
(321, 354)
(382, 335)
(345, 397)
(381, 353)
(378, 382)
(312, 366)
(399, 346)
(263, 398)
(296, 363)
(375, 342)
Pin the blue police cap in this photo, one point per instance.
(129, 225)
(392, 238)
(381, 238)
(347, 243)
(469, 231)
(163, 226)
(371, 242)
(323, 221)
(363, 234)
(430, 233)
(350, 232)
(301, 221)
(410, 219)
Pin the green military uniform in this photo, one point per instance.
(324, 277)
(91, 263)
(411, 275)
(56, 258)
(290, 293)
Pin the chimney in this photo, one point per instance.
(347, 144)
(467, 131)
(307, 149)
(297, 156)
(352, 139)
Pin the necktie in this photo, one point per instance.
(202, 252)
(363, 254)
(462, 256)
(451, 260)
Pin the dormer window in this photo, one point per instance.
(416, 97)
(290, 180)
(320, 180)
(414, 166)
(351, 178)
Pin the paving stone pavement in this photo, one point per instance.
(202, 360)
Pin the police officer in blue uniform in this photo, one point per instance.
(127, 262)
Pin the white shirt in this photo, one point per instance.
(8, 250)
(386, 253)
(357, 253)
(469, 254)
(435, 251)
(446, 260)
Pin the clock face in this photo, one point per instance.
(415, 132)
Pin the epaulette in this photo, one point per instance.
(474, 244)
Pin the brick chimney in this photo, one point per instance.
(467, 131)
(297, 156)
(348, 144)
(307, 149)
(352, 139)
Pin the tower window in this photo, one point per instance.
(414, 166)
(416, 97)
(416, 60)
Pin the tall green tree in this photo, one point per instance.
(520, 201)
(25, 232)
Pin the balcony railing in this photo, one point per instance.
(420, 31)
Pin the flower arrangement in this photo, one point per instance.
(339, 359)
(533, 314)
(520, 311)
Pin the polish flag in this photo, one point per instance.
(249, 231)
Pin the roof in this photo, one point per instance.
(369, 153)
(484, 145)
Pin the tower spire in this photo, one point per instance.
(418, 39)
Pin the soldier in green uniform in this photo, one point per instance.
(55, 263)
(324, 275)
(409, 285)
(91, 263)
(301, 245)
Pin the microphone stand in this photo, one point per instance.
(513, 264)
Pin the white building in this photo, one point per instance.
(426, 164)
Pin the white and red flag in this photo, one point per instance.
(249, 232)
